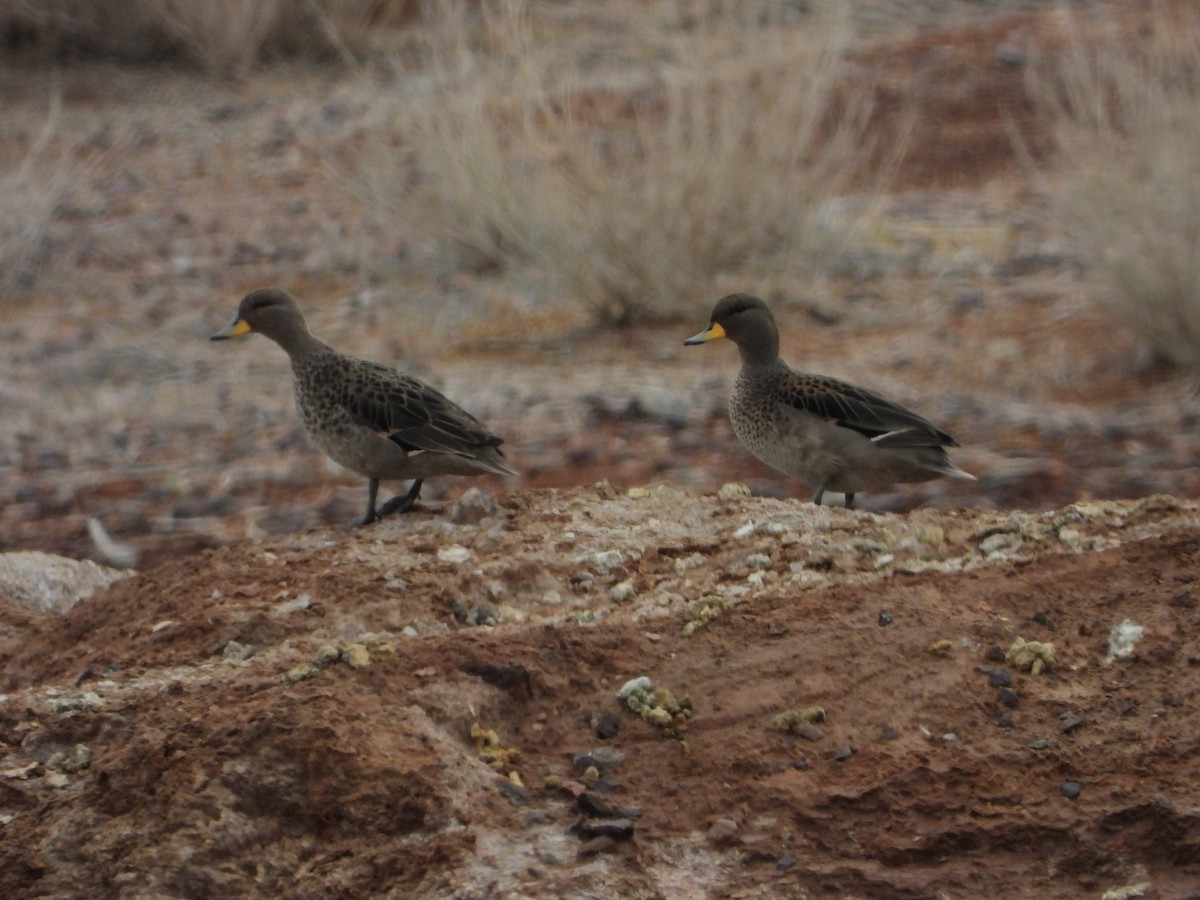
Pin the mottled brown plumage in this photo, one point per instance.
(826, 432)
(371, 419)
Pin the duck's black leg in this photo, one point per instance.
(849, 500)
(402, 504)
(820, 491)
(370, 515)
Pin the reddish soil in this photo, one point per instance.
(268, 776)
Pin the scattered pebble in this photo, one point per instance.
(1071, 789)
(455, 554)
(884, 620)
(1122, 638)
(606, 725)
(236, 652)
(1008, 697)
(998, 677)
(758, 561)
(472, 507)
(601, 758)
(888, 733)
(608, 559)
(722, 830)
(785, 862)
(843, 753)
(514, 793)
(85, 702)
(618, 829)
(76, 759)
(1070, 721)
(304, 601)
(1000, 544)
(1039, 745)
(1128, 891)
(600, 844)
(621, 592)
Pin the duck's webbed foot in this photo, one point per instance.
(402, 504)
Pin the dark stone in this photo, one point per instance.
(1071, 789)
(514, 794)
(1008, 697)
(998, 678)
(1041, 618)
(888, 733)
(785, 862)
(617, 829)
(1039, 745)
(591, 805)
(1070, 722)
(600, 844)
(884, 620)
(841, 754)
(808, 731)
(606, 725)
(994, 654)
(600, 757)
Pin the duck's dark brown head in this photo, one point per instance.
(270, 312)
(745, 320)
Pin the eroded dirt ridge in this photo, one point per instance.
(431, 708)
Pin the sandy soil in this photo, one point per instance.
(273, 705)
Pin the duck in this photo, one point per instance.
(821, 430)
(368, 418)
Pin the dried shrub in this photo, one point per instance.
(1123, 106)
(31, 188)
(703, 144)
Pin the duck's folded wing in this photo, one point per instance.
(416, 416)
(886, 423)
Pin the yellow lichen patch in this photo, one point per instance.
(492, 752)
(940, 648)
(1031, 655)
(352, 653)
(356, 656)
(704, 610)
(657, 706)
(790, 720)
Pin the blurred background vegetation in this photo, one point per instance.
(632, 157)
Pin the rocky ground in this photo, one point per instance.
(269, 704)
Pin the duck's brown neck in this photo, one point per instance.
(299, 343)
(759, 344)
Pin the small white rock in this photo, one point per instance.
(622, 592)
(455, 554)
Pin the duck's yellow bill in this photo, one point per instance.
(714, 332)
(236, 328)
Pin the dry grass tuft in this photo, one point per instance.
(635, 160)
(225, 37)
(1124, 111)
(31, 188)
